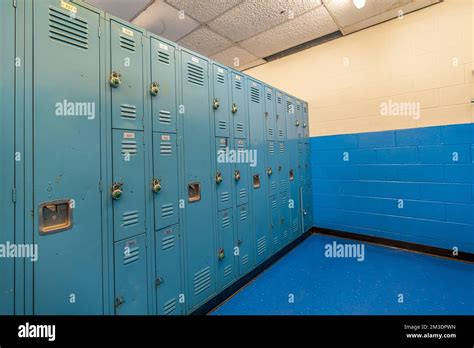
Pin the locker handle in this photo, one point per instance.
(237, 175)
(266, 114)
(115, 79)
(159, 281)
(118, 301)
(292, 175)
(234, 108)
(117, 189)
(154, 88)
(297, 123)
(219, 178)
(270, 171)
(239, 242)
(216, 104)
(279, 168)
(156, 186)
(304, 125)
(221, 254)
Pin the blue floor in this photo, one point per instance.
(325, 286)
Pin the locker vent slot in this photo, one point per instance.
(128, 111)
(68, 30)
(261, 245)
(130, 218)
(295, 225)
(220, 78)
(274, 185)
(276, 241)
(167, 242)
(245, 260)
(227, 270)
(163, 57)
(127, 44)
(226, 221)
(131, 255)
(282, 147)
(222, 125)
(238, 84)
(283, 183)
(289, 106)
(243, 193)
(270, 131)
(241, 145)
(285, 234)
(195, 74)
(167, 210)
(274, 203)
(269, 96)
(254, 95)
(280, 133)
(271, 147)
(243, 215)
(165, 117)
(202, 280)
(279, 100)
(129, 147)
(166, 148)
(240, 127)
(169, 306)
(225, 196)
(298, 107)
(284, 200)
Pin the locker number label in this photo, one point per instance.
(129, 135)
(163, 46)
(165, 137)
(68, 6)
(127, 32)
(195, 60)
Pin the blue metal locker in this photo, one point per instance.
(126, 76)
(67, 171)
(285, 219)
(272, 167)
(168, 282)
(282, 166)
(275, 222)
(163, 86)
(305, 120)
(245, 240)
(224, 175)
(128, 188)
(299, 119)
(272, 151)
(225, 248)
(280, 116)
(220, 101)
(131, 277)
(200, 248)
(165, 184)
(270, 116)
(260, 218)
(241, 174)
(239, 107)
(7, 151)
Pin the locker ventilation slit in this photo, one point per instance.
(254, 95)
(167, 210)
(243, 194)
(222, 125)
(269, 96)
(165, 117)
(270, 131)
(130, 218)
(163, 57)
(274, 203)
(129, 147)
(67, 30)
(202, 280)
(195, 74)
(167, 243)
(282, 146)
(274, 185)
(132, 255)
(166, 148)
(245, 260)
(279, 100)
(227, 270)
(128, 111)
(280, 133)
(243, 215)
(226, 221)
(271, 148)
(289, 106)
(127, 44)
(169, 306)
(261, 245)
(276, 241)
(220, 78)
(238, 84)
(225, 197)
(240, 127)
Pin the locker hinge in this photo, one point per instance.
(14, 3)
(14, 195)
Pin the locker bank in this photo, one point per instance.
(154, 180)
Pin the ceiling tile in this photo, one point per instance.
(124, 9)
(164, 20)
(255, 16)
(203, 10)
(345, 13)
(205, 42)
(309, 26)
(234, 57)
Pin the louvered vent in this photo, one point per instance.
(164, 57)
(165, 117)
(240, 127)
(282, 148)
(271, 147)
(130, 218)
(68, 30)
(129, 147)
(243, 215)
(225, 197)
(254, 95)
(195, 74)
(202, 280)
(261, 245)
(281, 133)
(222, 125)
(127, 43)
(167, 242)
(128, 112)
(274, 185)
(238, 84)
(220, 78)
(169, 306)
(245, 260)
(166, 148)
(279, 100)
(131, 255)
(276, 241)
(226, 221)
(270, 131)
(274, 203)
(227, 270)
(167, 210)
(242, 193)
(289, 107)
(269, 96)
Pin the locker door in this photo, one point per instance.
(272, 167)
(224, 175)
(238, 107)
(165, 179)
(276, 228)
(66, 168)
(128, 188)
(163, 76)
(168, 271)
(220, 102)
(270, 122)
(126, 77)
(198, 178)
(225, 250)
(284, 219)
(241, 175)
(280, 117)
(244, 240)
(131, 277)
(7, 131)
(283, 176)
(261, 223)
(305, 120)
(299, 120)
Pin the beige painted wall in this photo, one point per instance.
(426, 57)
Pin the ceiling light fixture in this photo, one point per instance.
(359, 3)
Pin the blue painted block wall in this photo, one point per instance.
(413, 185)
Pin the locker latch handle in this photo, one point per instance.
(234, 108)
(270, 171)
(304, 125)
(154, 88)
(159, 281)
(215, 104)
(219, 178)
(221, 254)
(266, 114)
(256, 181)
(115, 79)
(156, 186)
(239, 242)
(292, 175)
(117, 190)
(237, 175)
(279, 168)
(297, 123)
(118, 301)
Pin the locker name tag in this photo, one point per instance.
(195, 60)
(127, 32)
(241, 142)
(223, 141)
(129, 135)
(68, 6)
(165, 137)
(220, 70)
(237, 77)
(163, 47)
(254, 84)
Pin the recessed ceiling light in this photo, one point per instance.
(359, 3)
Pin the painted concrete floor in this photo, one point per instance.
(388, 281)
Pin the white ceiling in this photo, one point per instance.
(240, 33)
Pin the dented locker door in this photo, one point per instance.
(165, 179)
(169, 291)
(225, 248)
(241, 174)
(163, 86)
(224, 177)
(276, 228)
(284, 219)
(220, 101)
(245, 243)
(126, 77)
(198, 178)
(128, 188)
(280, 118)
(239, 107)
(66, 160)
(131, 277)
